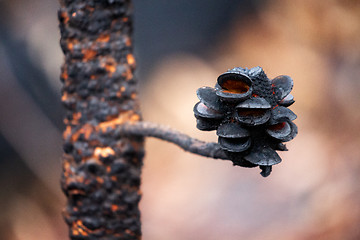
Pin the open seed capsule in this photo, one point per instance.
(234, 87)
(207, 95)
(232, 130)
(280, 114)
(287, 101)
(206, 124)
(284, 131)
(279, 131)
(263, 155)
(201, 110)
(255, 103)
(282, 86)
(253, 111)
(235, 144)
(238, 160)
(294, 131)
(233, 138)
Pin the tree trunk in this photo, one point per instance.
(101, 172)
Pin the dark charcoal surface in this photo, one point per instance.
(101, 174)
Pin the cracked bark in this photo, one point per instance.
(101, 173)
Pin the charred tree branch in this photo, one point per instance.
(101, 173)
(189, 144)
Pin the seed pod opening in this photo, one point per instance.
(282, 86)
(207, 95)
(255, 103)
(287, 101)
(294, 131)
(206, 124)
(234, 87)
(235, 144)
(232, 130)
(280, 114)
(263, 155)
(252, 117)
(201, 110)
(279, 131)
(254, 111)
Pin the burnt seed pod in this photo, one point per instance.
(250, 115)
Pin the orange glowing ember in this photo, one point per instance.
(64, 97)
(100, 180)
(110, 68)
(78, 228)
(67, 169)
(75, 232)
(119, 93)
(103, 38)
(64, 75)
(128, 42)
(111, 123)
(114, 208)
(130, 59)
(77, 116)
(135, 118)
(104, 152)
(122, 118)
(70, 46)
(87, 130)
(67, 132)
(109, 64)
(129, 75)
(88, 54)
(65, 16)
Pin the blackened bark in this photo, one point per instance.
(187, 143)
(101, 173)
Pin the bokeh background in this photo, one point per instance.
(180, 46)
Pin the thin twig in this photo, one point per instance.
(189, 144)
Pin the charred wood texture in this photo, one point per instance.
(101, 172)
(187, 143)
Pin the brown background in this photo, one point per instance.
(181, 46)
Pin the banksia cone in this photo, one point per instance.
(250, 115)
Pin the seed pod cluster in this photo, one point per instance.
(250, 115)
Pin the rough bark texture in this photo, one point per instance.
(101, 172)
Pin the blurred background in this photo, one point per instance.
(181, 46)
